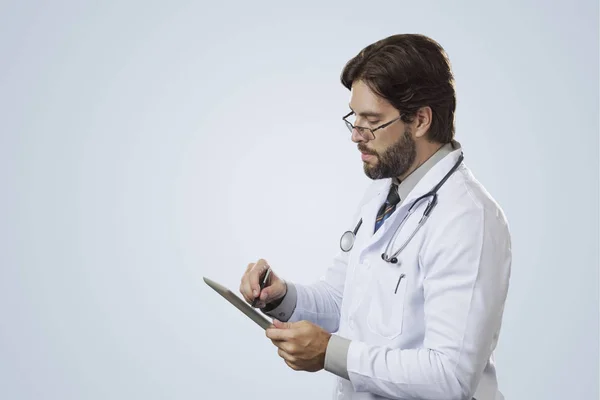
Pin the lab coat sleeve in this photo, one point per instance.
(466, 262)
(320, 302)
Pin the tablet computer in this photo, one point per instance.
(239, 303)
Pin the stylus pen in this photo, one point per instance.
(262, 285)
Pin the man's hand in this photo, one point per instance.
(274, 290)
(301, 344)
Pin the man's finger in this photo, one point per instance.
(277, 334)
(245, 287)
(248, 291)
(286, 356)
(255, 273)
(281, 325)
(264, 295)
(286, 346)
(292, 365)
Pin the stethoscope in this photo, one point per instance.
(348, 237)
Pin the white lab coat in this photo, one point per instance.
(433, 339)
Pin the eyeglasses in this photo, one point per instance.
(366, 133)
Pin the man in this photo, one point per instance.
(410, 311)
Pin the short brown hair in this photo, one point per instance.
(410, 71)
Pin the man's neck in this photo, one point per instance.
(424, 153)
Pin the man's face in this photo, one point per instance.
(393, 150)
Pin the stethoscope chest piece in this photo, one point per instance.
(348, 238)
(347, 241)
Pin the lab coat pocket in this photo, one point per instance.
(386, 308)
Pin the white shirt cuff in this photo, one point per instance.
(286, 308)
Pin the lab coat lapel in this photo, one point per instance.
(370, 208)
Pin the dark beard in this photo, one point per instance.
(395, 161)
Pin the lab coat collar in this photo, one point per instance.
(439, 165)
(407, 184)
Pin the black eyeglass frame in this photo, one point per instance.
(360, 129)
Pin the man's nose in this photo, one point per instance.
(357, 137)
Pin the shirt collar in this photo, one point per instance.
(408, 184)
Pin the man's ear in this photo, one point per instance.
(422, 121)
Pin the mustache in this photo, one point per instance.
(363, 149)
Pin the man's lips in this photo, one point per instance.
(366, 156)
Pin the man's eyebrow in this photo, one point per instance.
(368, 113)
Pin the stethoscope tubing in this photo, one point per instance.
(347, 239)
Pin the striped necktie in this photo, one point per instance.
(388, 207)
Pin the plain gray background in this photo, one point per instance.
(145, 145)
